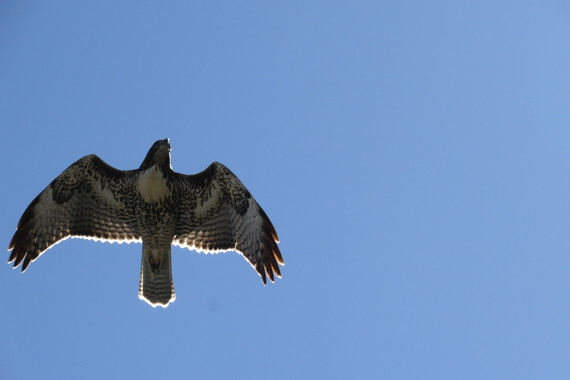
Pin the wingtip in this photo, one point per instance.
(270, 273)
(16, 258)
(16, 265)
(276, 270)
(278, 256)
(26, 263)
(12, 257)
(261, 270)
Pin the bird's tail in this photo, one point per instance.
(156, 286)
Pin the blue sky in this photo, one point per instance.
(413, 156)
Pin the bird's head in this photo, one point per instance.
(159, 155)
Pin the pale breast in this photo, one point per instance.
(151, 185)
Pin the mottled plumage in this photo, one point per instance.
(210, 212)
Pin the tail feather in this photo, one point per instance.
(156, 286)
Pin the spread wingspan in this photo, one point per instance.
(217, 213)
(88, 200)
(210, 211)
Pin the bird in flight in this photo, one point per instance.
(209, 212)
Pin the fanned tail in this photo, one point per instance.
(156, 286)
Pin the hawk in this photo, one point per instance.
(209, 212)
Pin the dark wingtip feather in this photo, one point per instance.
(26, 263)
(261, 271)
(268, 226)
(270, 253)
(12, 256)
(275, 266)
(269, 271)
(278, 257)
(268, 248)
(18, 244)
(18, 260)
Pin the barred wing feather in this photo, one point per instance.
(90, 199)
(217, 213)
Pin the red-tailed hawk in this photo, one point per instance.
(210, 212)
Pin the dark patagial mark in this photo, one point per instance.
(242, 204)
(60, 192)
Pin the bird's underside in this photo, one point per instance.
(210, 212)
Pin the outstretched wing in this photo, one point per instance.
(90, 199)
(217, 213)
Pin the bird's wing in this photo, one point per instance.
(90, 199)
(217, 213)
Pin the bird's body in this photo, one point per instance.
(210, 212)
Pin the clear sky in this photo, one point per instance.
(414, 157)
